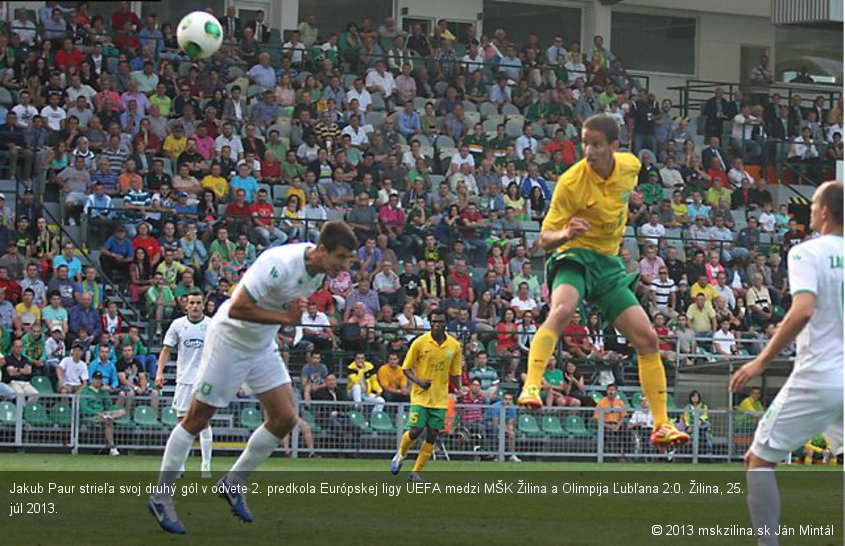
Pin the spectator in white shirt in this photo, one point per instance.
(380, 80)
(294, 49)
(357, 135)
(724, 341)
(652, 231)
(526, 140)
(743, 128)
(473, 60)
(523, 301)
(670, 174)
(72, 371)
(738, 172)
(365, 101)
(463, 156)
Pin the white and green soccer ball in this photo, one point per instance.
(199, 35)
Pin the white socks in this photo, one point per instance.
(261, 445)
(764, 503)
(177, 450)
(206, 439)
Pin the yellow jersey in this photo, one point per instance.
(433, 362)
(217, 184)
(580, 191)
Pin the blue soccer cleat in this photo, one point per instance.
(396, 464)
(165, 515)
(236, 500)
(415, 477)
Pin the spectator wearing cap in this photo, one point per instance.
(94, 405)
(29, 208)
(72, 371)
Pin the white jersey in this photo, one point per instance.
(277, 278)
(188, 338)
(816, 266)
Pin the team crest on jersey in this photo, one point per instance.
(449, 354)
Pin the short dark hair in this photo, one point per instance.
(830, 196)
(606, 125)
(437, 312)
(336, 235)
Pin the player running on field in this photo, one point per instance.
(241, 349)
(585, 225)
(432, 360)
(187, 336)
(810, 402)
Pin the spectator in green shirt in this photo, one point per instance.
(555, 388)
(95, 406)
(160, 301)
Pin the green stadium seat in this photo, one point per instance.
(42, 384)
(551, 426)
(7, 413)
(357, 419)
(308, 417)
(527, 425)
(169, 417)
(35, 414)
(596, 395)
(60, 414)
(575, 427)
(637, 399)
(124, 420)
(670, 402)
(624, 398)
(382, 423)
(144, 416)
(251, 418)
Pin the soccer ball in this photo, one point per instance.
(199, 35)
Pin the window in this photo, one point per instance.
(334, 15)
(521, 19)
(653, 42)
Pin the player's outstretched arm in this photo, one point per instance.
(550, 239)
(412, 377)
(795, 320)
(243, 307)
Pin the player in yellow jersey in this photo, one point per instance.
(432, 360)
(584, 226)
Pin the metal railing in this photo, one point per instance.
(473, 431)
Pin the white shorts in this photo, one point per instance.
(182, 398)
(225, 368)
(796, 415)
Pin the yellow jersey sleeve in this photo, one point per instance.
(410, 356)
(560, 209)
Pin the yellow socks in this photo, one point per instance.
(406, 444)
(426, 449)
(808, 460)
(653, 382)
(542, 347)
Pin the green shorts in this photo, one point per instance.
(433, 418)
(599, 279)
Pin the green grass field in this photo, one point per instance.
(808, 496)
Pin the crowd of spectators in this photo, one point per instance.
(441, 153)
